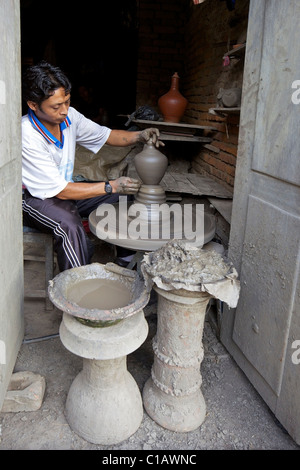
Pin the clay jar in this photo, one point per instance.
(173, 105)
(150, 164)
(229, 98)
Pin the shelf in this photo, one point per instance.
(223, 206)
(237, 51)
(181, 132)
(224, 110)
(183, 137)
(173, 126)
(194, 184)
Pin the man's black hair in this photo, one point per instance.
(40, 82)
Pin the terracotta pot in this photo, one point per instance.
(173, 105)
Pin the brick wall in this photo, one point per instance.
(176, 35)
(161, 47)
(210, 31)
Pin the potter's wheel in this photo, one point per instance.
(120, 219)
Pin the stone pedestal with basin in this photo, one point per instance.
(172, 395)
(185, 279)
(104, 404)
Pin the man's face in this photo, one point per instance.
(53, 110)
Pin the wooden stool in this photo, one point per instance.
(32, 237)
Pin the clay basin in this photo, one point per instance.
(99, 295)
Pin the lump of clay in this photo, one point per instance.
(179, 265)
(180, 262)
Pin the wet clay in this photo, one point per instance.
(151, 166)
(181, 262)
(102, 294)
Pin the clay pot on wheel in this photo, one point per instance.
(150, 164)
(173, 105)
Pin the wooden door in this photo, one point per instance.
(263, 332)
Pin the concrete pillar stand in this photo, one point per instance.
(172, 396)
(104, 404)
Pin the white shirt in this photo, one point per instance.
(46, 168)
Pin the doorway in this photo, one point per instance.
(98, 51)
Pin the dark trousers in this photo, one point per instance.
(62, 218)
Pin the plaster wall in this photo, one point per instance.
(11, 241)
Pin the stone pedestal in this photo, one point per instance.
(104, 404)
(172, 396)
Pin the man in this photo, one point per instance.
(52, 202)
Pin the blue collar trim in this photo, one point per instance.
(45, 133)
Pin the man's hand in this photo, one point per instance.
(125, 185)
(120, 138)
(150, 133)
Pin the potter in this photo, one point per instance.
(52, 201)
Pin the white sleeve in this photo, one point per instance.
(89, 134)
(40, 174)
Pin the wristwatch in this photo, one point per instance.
(107, 187)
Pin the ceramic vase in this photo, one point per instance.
(150, 164)
(173, 105)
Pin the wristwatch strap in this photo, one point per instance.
(107, 187)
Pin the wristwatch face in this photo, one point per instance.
(107, 188)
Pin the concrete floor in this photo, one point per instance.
(237, 418)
